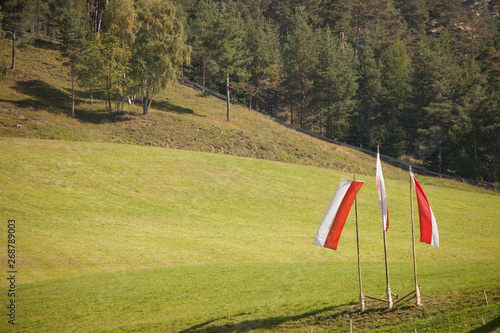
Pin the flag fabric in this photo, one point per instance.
(333, 221)
(428, 227)
(381, 195)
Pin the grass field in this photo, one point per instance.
(114, 237)
(35, 102)
(182, 222)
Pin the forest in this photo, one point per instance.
(419, 78)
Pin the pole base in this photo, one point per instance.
(418, 301)
(389, 298)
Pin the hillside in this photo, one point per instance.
(35, 102)
(126, 238)
(117, 231)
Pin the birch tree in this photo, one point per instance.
(120, 18)
(17, 19)
(160, 49)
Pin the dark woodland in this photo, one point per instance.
(419, 78)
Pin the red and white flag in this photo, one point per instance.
(428, 227)
(381, 195)
(334, 219)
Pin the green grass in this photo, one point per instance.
(128, 238)
(117, 231)
(35, 102)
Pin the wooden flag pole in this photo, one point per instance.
(388, 288)
(361, 296)
(417, 289)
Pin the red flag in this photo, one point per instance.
(333, 221)
(428, 227)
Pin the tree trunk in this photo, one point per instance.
(204, 73)
(329, 125)
(146, 101)
(291, 113)
(73, 93)
(118, 104)
(321, 121)
(357, 30)
(145, 107)
(475, 156)
(302, 106)
(101, 13)
(440, 158)
(228, 98)
(109, 106)
(13, 49)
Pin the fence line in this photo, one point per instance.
(35, 35)
(393, 161)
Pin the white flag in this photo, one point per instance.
(381, 195)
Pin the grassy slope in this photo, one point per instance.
(138, 238)
(35, 102)
(37, 97)
(127, 237)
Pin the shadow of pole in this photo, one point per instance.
(489, 327)
(263, 323)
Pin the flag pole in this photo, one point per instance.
(417, 289)
(388, 288)
(361, 296)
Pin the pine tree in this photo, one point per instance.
(199, 31)
(230, 56)
(436, 81)
(488, 114)
(17, 18)
(366, 129)
(335, 84)
(466, 146)
(299, 56)
(3, 62)
(378, 19)
(266, 68)
(337, 15)
(73, 42)
(415, 14)
(396, 70)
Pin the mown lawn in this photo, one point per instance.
(114, 237)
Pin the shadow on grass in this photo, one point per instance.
(265, 323)
(42, 95)
(169, 107)
(58, 100)
(45, 44)
(489, 327)
(101, 117)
